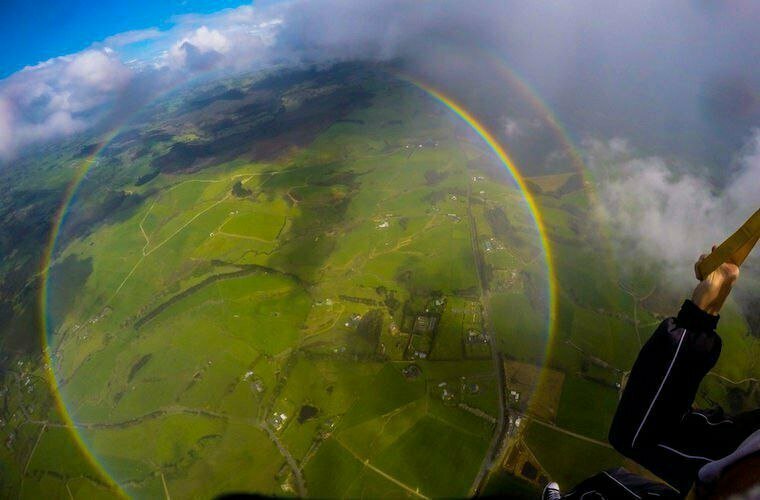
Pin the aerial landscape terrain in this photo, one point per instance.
(365, 249)
(324, 283)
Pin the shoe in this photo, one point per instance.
(551, 492)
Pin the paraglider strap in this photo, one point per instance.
(735, 249)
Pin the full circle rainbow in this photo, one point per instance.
(480, 129)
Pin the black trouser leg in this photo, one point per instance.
(717, 431)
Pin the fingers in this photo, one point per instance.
(696, 266)
(699, 260)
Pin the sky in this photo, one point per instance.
(44, 29)
(667, 92)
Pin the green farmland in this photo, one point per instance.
(320, 306)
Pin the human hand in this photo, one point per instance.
(714, 288)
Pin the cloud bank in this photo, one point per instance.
(669, 217)
(58, 97)
(671, 75)
(102, 84)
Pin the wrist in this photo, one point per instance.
(694, 317)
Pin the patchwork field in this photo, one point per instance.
(349, 298)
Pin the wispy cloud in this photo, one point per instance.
(130, 37)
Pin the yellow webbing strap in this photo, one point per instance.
(735, 249)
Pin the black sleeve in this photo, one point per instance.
(664, 379)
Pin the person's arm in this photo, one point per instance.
(664, 380)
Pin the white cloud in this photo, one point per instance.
(610, 70)
(6, 126)
(130, 37)
(206, 39)
(71, 93)
(670, 217)
(58, 97)
(202, 45)
(97, 70)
